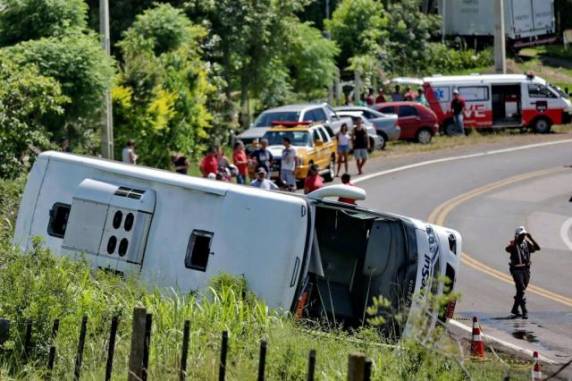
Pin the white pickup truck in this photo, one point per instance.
(310, 112)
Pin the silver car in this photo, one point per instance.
(385, 124)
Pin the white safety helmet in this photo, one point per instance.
(520, 231)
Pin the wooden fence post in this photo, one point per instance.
(80, 346)
(367, 370)
(147, 345)
(27, 339)
(4, 331)
(185, 351)
(137, 344)
(311, 365)
(223, 350)
(262, 361)
(111, 347)
(52, 351)
(356, 367)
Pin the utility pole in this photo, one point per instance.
(107, 110)
(443, 20)
(500, 39)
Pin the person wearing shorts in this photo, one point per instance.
(360, 140)
(288, 164)
(343, 148)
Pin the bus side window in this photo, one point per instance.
(198, 250)
(59, 215)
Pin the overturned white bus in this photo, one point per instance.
(179, 231)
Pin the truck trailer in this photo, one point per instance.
(527, 22)
(317, 258)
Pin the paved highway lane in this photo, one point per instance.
(486, 219)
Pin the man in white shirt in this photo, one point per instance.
(262, 182)
(288, 164)
(128, 154)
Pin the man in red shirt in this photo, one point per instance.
(241, 161)
(209, 164)
(313, 181)
(380, 96)
(458, 107)
(346, 180)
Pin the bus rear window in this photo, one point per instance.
(59, 215)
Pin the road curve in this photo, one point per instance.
(485, 196)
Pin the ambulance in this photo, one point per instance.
(496, 101)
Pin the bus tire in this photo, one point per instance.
(541, 125)
(450, 129)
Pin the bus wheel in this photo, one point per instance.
(450, 128)
(541, 126)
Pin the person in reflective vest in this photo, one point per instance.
(520, 250)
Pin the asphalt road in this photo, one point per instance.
(487, 219)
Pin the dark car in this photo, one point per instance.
(417, 121)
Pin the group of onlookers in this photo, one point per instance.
(410, 95)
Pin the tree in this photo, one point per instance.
(23, 20)
(409, 36)
(163, 87)
(246, 38)
(360, 28)
(311, 59)
(26, 98)
(81, 68)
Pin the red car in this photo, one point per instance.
(417, 122)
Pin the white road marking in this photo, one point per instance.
(460, 157)
(564, 233)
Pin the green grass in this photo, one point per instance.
(554, 50)
(40, 287)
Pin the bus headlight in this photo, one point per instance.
(433, 241)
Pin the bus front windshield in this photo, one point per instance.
(297, 138)
(361, 257)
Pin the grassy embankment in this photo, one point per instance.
(40, 287)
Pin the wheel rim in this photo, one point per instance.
(381, 142)
(541, 125)
(424, 137)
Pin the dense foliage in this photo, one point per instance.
(162, 90)
(23, 20)
(26, 98)
(56, 71)
(189, 73)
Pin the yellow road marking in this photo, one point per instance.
(439, 215)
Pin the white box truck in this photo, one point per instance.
(300, 253)
(527, 22)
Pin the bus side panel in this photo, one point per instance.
(60, 182)
(178, 213)
(28, 203)
(265, 239)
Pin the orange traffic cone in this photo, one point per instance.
(477, 344)
(537, 368)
